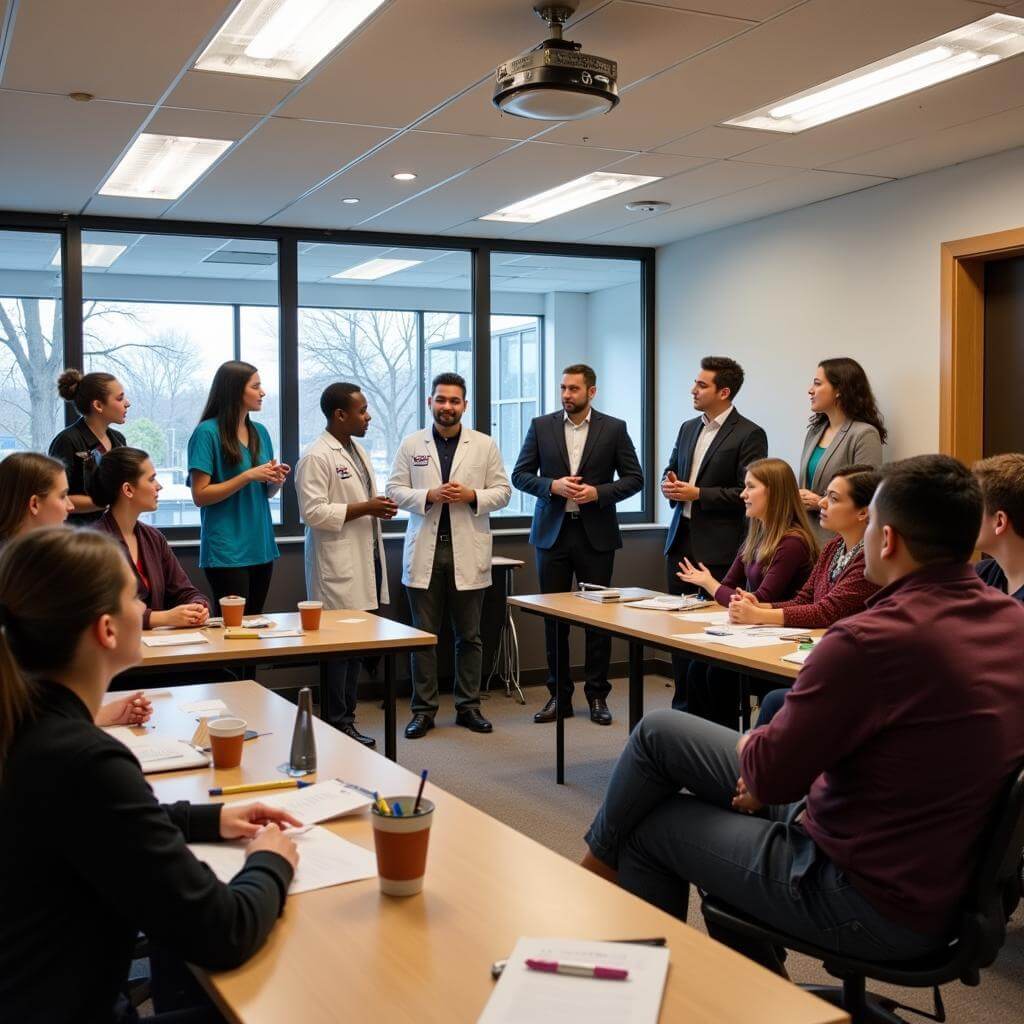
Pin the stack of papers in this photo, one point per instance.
(324, 859)
(731, 639)
(323, 801)
(174, 639)
(705, 619)
(670, 603)
(204, 708)
(159, 754)
(542, 998)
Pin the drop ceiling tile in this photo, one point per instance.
(520, 172)
(201, 124)
(754, 10)
(718, 142)
(801, 48)
(55, 152)
(940, 149)
(412, 57)
(751, 204)
(115, 49)
(433, 157)
(240, 94)
(278, 163)
(123, 206)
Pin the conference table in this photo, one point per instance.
(350, 952)
(340, 633)
(664, 631)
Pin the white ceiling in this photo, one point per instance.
(411, 91)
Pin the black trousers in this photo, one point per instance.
(574, 556)
(249, 581)
(681, 549)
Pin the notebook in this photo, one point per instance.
(157, 753)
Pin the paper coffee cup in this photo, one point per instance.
(226, 738)
(310, 612)
(402, 845)
(233, 609)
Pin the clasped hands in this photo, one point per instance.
(451, 493)
(743, 800)
(744, 608)
(572, 488)
(678, 490)
(273, 473)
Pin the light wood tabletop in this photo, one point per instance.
(340, 632)
(351, 953)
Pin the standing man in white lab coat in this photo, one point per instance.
(448, 478)
(345, 565)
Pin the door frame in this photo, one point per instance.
(962, 346)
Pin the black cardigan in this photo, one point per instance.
(88, 858)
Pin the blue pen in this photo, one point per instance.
(718, 632)
(396, 810)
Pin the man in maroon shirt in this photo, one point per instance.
(865, 796)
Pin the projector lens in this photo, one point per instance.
(549, 104)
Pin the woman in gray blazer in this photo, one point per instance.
(846, 428)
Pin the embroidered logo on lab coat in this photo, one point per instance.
(420, 460)
(344, 473)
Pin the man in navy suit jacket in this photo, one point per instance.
(703, 481)
(569, 463)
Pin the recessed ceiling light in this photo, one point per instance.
(372, 269)
(282, 38)
(94, 254)
(162, 166)
(947, 56)
(404, 176)
(591, 188)
(350, 201)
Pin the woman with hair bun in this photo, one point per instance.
(125, 484)
(101, 402)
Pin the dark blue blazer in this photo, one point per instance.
(545, 458)
(718, 520)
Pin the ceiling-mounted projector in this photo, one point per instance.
(556, 81)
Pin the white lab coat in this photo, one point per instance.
(476, 464)
(339, 554)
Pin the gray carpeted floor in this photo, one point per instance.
(510, 774)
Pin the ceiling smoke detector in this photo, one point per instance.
(647, 206)
(556, 81)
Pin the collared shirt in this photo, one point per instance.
(81, 450)
(364, 475)
(704, 439)
(989, 571)
(575, 441)
(446, 449)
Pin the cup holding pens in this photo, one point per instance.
(401, 843)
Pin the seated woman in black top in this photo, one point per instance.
(125, 484)
(100, 401)
(87, 855)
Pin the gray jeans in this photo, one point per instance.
(428, 612)
(764, 865)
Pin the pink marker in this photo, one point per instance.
(578, 970)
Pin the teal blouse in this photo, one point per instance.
(812, 464)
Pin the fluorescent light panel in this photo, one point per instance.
(94, 254)
(282, 38)
(591, 188)
(947, 56)
(162, 166)
(372, 269)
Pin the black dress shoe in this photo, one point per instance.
(547, 713)
(419, 727)
(353, 733)
(473, 720)
(599, 711)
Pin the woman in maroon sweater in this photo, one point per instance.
(125, 484)
(772, 565)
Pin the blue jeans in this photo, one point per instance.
(764, 865)
(772, 705)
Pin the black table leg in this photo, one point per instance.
(325, 693)
(390, 711)
(636, 684)
(559, 720)
(745, 702)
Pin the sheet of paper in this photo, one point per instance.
(348, 622)
(277, 634)
(668, 603)
(174, 639)
(324, 860)
(202, 707)
(540, 998)
(783, 631)
(731, 639)
(322, 801)
(714, 619)
(256, 622)
(796, 657)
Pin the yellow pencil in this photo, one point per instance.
(255, 787)
(382, 804)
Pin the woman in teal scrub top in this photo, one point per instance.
(233, 474)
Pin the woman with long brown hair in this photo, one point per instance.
(87, 855)
(773, 564)
(33, 493)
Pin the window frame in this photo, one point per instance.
(288, 239)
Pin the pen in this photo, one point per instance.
(578, 970)
(254, 787)
(499, 965)
(396, 809)
(382, 804)
(419, 792)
